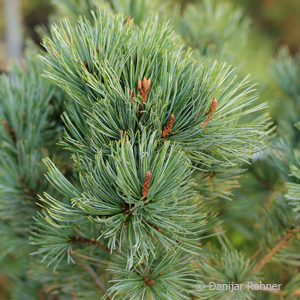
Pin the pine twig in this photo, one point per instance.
(255, 254)
(94, 275)
(28, 192)
(260, 179)
(81, 240)
(279, 245)
(105, 262)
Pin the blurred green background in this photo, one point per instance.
(277, 23)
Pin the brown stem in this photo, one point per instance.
(279, 245)
(29, 192)
(3, 285)
(81, 240)
(154, 226)
(105, 262)
(94, 275)
(255, 254)
(260, 179)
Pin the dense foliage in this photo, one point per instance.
(140, 197)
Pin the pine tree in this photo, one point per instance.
(143, 121)
(156, 138)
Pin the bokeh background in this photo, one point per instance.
(277, 23)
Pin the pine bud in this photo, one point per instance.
(211, 111)
(120, 133)
(9, 129)
(144, 87)
(146, 185)
(213, 108)
(168, 127)
(157, 228)
(127, 208)
(148, 281)
(128, 19)
(86, 66)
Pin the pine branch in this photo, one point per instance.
(261, 180)
(141, 191)
(255, 254)
(28, 192)
(282, 243)
(81, 240)
(93, 274)
(91, 258)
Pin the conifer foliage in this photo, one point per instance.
(286, 72)
(27, 127)
(143, 119)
